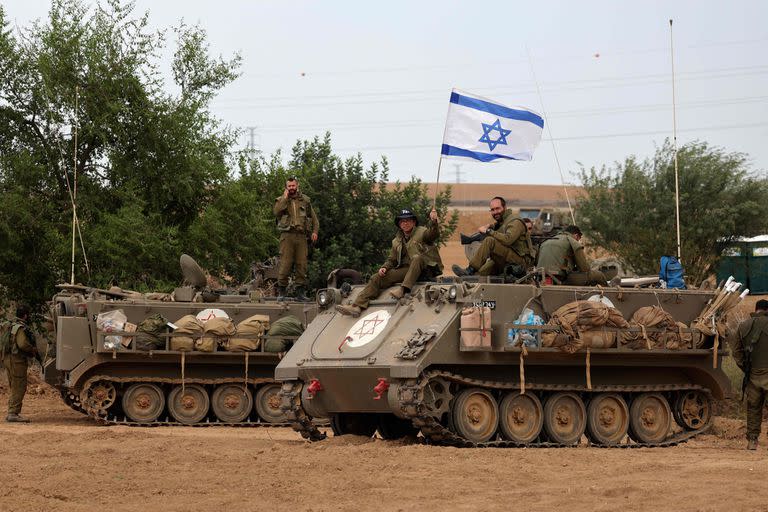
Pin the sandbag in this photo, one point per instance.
(216, 331)
(659, 329)
(249, 333)
(150, 333)
(288, 325)
(190, 325)
(579, 324)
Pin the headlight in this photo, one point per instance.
(453, 291)
(324, 297)
(327, 296)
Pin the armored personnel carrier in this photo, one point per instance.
(495, 364)
(103, 371)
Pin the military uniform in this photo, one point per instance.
(296, 220)
(410, 259)
(508, 241)
(15, 363)
(563, 257)
(752, 336)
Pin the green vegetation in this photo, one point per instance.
(156, 173)
(629, 209)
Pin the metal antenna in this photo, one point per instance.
(674, 142)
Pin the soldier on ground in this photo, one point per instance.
(414, 257)
(750, 351)
(508, 241)
(563, 257)
(297, 222)
(16, 346)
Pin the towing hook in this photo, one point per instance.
(313, 388)
(380, 388)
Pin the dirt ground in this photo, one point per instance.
(62, 461)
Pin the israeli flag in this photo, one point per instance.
(481, 129)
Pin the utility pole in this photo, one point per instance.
(458, 172)
(251, 137)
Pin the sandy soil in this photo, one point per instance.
(62, 461)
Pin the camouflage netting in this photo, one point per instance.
(580, 324)
(658, 330)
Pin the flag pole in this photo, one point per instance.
(440, 160)
(549, 133)
(674, 142)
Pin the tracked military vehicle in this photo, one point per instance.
(101, 370)
(458, 362)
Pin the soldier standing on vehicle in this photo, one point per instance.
(563, 257)
(16, 346)
(414, 257)
(750, 351)
(508, 241)
(297, 222)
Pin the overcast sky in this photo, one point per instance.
(378, 75)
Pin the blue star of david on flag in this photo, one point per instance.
(488, 128)
(511, 133)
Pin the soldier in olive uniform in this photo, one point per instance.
(750, 351)
(508, 241)
(414, 257)
(563, 257)
(297, 221)
(20, 347)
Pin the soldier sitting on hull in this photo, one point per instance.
(414, 257)
(16, 346)
(563, 257)
(750, 351)
(508, 242)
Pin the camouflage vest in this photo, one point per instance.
(8, 332)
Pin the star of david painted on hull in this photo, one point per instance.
(486, 138)
(365, 329)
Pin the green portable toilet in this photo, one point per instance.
(746, 259)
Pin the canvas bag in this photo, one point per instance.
(216, 330)
(252, 329)
(190, 325)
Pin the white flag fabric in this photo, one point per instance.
(481, 129)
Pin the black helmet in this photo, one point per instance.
(405, 213)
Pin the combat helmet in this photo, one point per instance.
(406, 213)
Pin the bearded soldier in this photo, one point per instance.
(297, 222)
(508, 241)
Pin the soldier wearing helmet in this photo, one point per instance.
(413, 257)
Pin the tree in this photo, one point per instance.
(84, 110)
(355, 209)
(629, 209)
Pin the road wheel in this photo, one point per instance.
(358, 424)
(475, 415)
(267, 404)
(693, 409)
(232, 403)
(649, 418)
(188, 404)
(392, 427)
(521, 417)
(143, 403)
(565, 418)
(607, 419)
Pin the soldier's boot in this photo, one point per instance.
(751, 444)
(280, 291)
(16, 418)
(398, 292)
(349, 310)
(299, 295)
(462, 271)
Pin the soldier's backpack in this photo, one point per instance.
(672, 272)
(286, 326)
(150, 333)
